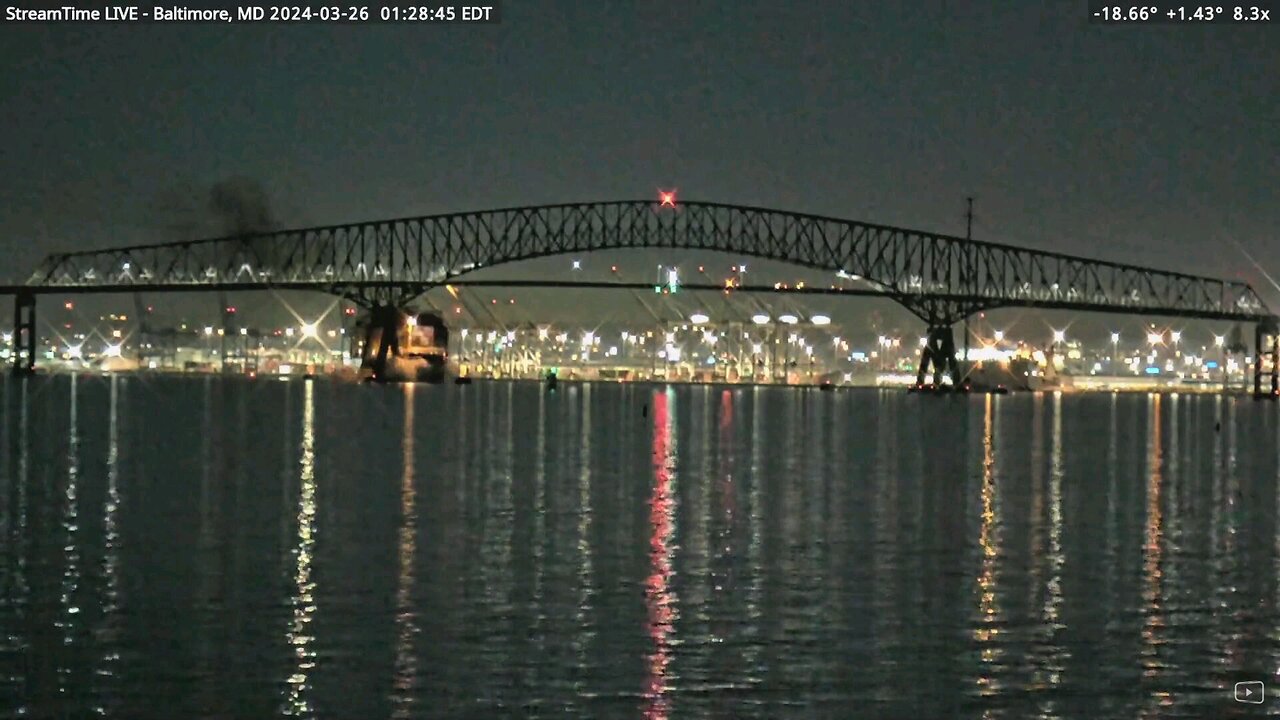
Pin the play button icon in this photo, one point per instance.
(1250, 692)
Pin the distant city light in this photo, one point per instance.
(924, 342)
(760, 319)
(757, 348)
(1176, 336)
(411, 320)
(112, 351)
(309, 329)
(789, 319)
(699, 318)
(244, 331)
(74, 351)
(577, 264)
(8, 337)
(1155, 338)
(1219, 340)
(1059, 335)
(820, 320)
(1115, 337)
(288, 332)
(999, 335)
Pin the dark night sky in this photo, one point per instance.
(1153, 145)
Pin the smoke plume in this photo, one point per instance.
(242, 206)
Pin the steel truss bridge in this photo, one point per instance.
(940, 278)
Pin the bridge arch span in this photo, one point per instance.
(940, 278)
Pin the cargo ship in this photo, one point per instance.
(402, 347)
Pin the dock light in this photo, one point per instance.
(74, 351)
(760, 319)
(1059, 335)
(309, 330)
(789, 319)
(577, 264)
(820, 320)
(699, 318)
(1217, 340)
(112, 351)
(1155, 338)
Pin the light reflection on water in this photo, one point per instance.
(224, 548)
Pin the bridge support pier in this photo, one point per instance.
(1266, 361)
(383, 329)
(940, 352)
(24, 334)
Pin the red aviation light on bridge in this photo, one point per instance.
(667, 198)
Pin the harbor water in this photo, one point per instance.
(228, 548)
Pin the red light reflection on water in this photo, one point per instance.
(659, 599)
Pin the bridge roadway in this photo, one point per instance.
(387, 263)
